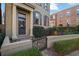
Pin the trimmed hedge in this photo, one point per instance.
(50, 31)
(38, 31)
(63, 30)
(2, 36)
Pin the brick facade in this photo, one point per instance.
(69, 16)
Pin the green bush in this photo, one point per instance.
(78, 29)
(29, 52)
(63, 30)
(50, 31)
(66, 46)
(2, 36)
(38, 31)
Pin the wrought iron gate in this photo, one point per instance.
(40, 43)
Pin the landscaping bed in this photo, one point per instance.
(65, 47)
(29, 52)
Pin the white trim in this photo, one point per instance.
(31, 24)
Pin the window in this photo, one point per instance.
(37, 18)
(68, 13)
(77, 15)
(61, 15)
(40, 4)
(21, 23)
(46, 20)
(53, 16)
(77, 12)
(68, 21)
(45, 6)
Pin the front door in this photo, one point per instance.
(21, 23)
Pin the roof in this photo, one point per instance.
(65, 9)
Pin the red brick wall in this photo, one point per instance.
(63, 19)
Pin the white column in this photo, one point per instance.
(14, 23)
(31, 24)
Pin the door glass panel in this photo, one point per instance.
(21, 23)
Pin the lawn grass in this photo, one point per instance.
(66, 46)
(29, 52)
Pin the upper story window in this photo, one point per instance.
(45, 6)
(40, 4)
(77, 14)
(68, 13)
(61, 15)
(77, 11)
(53, 16)
(37, 18)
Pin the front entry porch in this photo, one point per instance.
(19, 21)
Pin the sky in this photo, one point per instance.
(3, 7)
(55, 7)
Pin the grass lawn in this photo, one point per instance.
(64, 47)
(29, 52)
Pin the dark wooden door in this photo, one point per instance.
(21, 24)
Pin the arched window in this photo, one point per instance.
(46, 20)
(37, 20)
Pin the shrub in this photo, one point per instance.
(62, 30)
(29, 52)
(38, 31)
(51, 31)
(1, 38)
(78, 28)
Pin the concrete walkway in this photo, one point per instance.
(48, 52)
(75, 53)
(51, 53)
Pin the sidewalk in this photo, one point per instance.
(47, 52)
(75, 53)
